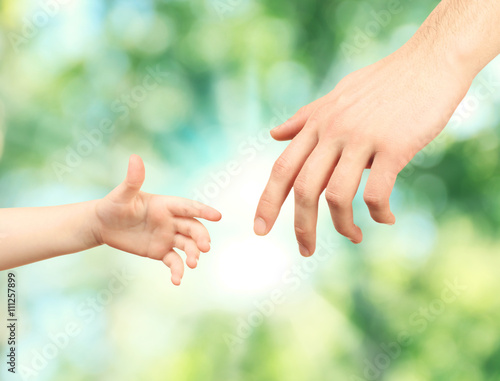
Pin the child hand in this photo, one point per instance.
(151, 225)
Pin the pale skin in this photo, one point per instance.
(378, 118)
(127, 219)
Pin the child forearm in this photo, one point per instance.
(33, 234)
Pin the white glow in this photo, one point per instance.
(251, 265)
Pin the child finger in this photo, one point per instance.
(194, 229)
(189, 208)
(174, 261)
(187, 245)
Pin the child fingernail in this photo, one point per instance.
(259, 226)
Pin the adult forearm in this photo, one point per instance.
(463, 34)
(32, 234)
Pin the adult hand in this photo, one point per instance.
(378, 117)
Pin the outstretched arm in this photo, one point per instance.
(33, 234)
(378, 117)
(126, 219)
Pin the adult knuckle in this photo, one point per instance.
(343, 101)
(301, 112)
(320, 113)
(385, 145)
(335, 199)
(302, 191)
(350, 152)
(374, 200)
(301, 232)
(360, 141)
(324, 110)
(266, 201)
(342, 230)
(281, 167)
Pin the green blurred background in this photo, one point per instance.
(416, 301)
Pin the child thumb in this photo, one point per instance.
(133, 182)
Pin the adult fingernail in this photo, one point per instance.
(303, 251)
(259, 226)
